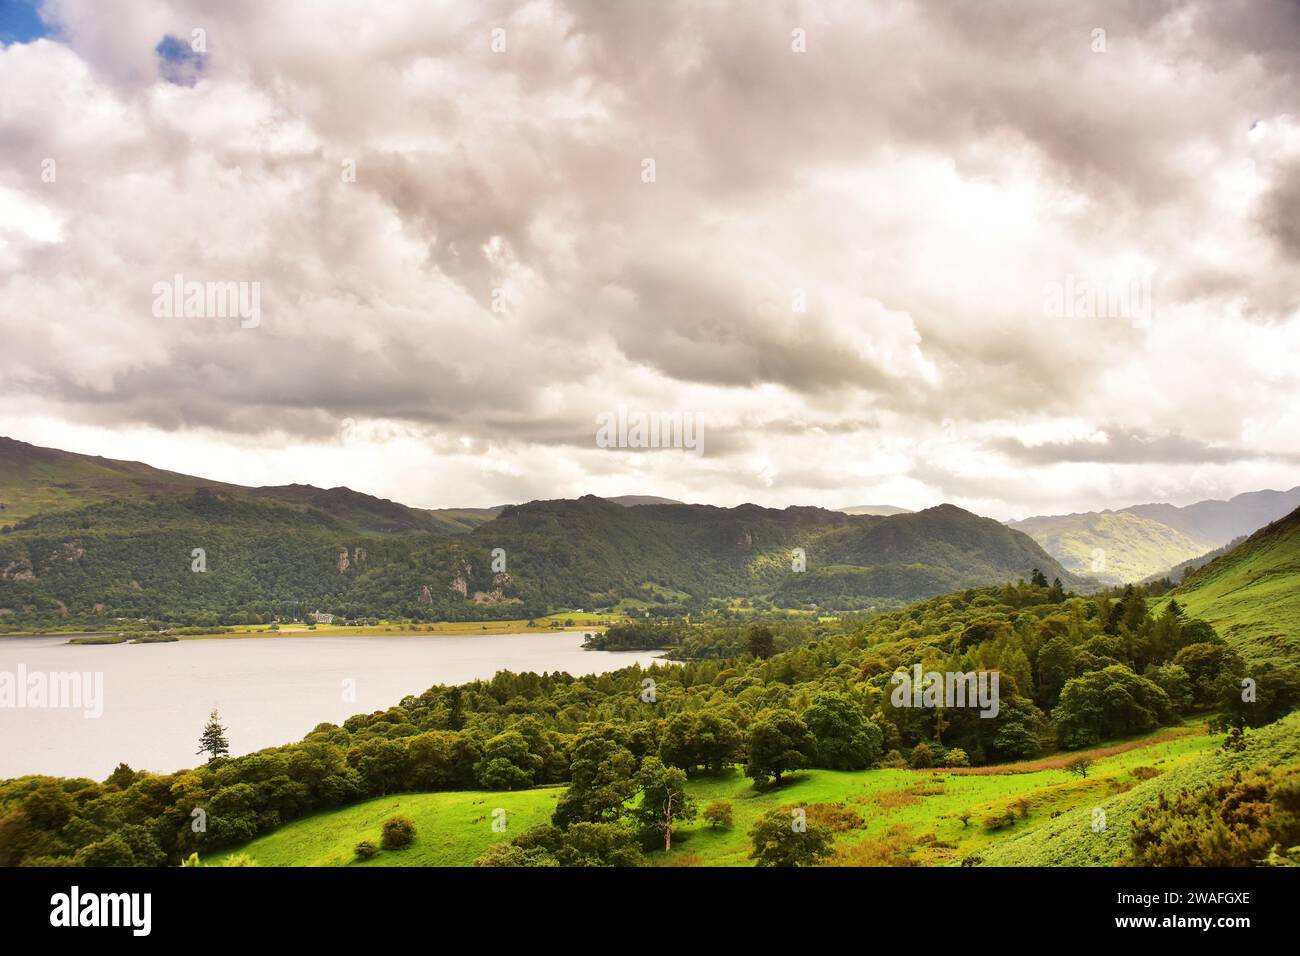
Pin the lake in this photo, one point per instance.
(156, 697)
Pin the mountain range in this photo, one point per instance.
(1150, 540)
(90, 540)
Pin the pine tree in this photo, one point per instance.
(213, 742)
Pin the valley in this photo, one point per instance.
(526, 689)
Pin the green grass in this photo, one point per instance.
(883, 800)
(453, 829)
(1070, 840)
(1250, 594)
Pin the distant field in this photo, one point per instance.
(554, 622)
(912, 815)
(560, 621)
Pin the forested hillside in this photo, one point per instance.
(1074, 671)
(140, 555)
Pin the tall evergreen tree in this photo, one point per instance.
(213, 741)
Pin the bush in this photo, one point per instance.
(398, 832)
(956, 757)
(365, 850)
(999, 821)
(1236, 820)
(922, 756)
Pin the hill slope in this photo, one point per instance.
(1218, 522)
(35, 480)
(1252, 593)
(283, 551)
(1112, 546)
(1144, 540)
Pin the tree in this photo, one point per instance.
(1079, 766)
(778, 742)
(507, 763)
(601, 781)
(760, 641)
(718, 814)
(922, 756)
(692, 740)
(1111, 702)
(781, 838)
(845, 739)
(1038, 579)
(581, 844)
(1274, 692)
(213, 740)
(664, 802)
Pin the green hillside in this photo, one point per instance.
(1252, 593)
(905, 817)
(35, 480)
(1111, 546)
(1145, 541)
(1183, 568)
(1071, 840)
(284, 551)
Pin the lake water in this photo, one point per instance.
(156, 697)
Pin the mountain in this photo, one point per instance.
(1218, 522)
(1184, 568)
(130, 553)
(35, 480)
(1112, 546)
(1252, 593)
(1142, 541)
(887, 559)
(629, 501)
(883, 510)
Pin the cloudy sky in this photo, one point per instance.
(1025, 257)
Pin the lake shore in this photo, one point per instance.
(582, 622)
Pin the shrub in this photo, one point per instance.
(365, 850)
(835, 817)
(398, 832)
(999, 821)
(1235, 821)
(922, 756)
(956, 757)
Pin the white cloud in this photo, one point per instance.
(920, 177)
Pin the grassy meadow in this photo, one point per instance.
(906, 817)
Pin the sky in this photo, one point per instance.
(1027, 258)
